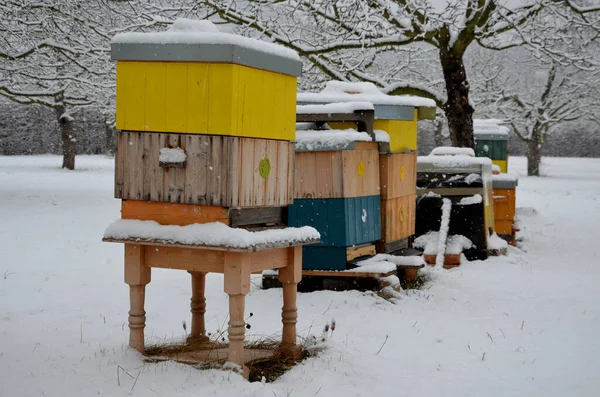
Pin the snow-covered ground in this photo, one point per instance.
(522, 325)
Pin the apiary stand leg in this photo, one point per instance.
(289, 277)
(237, 285)
(137, 275)
(198, 307)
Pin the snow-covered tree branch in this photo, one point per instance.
(352, 39)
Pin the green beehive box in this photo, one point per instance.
(491, 140)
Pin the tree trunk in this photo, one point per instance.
(459, 111)
(110, 138)
(69, 143)
(534, 155)
(439, 127)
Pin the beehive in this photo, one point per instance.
(504, 205)
(396, 115)
(337, 193)
(491, 140)
(461, 179)
(224, 104)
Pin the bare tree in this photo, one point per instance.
(57, 54)
(536, 97)
(346, 39)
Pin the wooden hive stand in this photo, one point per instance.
(234, 262)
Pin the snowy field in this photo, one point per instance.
(522, 325)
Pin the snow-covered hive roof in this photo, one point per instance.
(200, 41)
(490, 129)
(505, 181)
(454, 160)
(311, 140)
(387, 107)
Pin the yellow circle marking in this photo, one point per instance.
(402, 172)
(361, 168)
(264, 167)
(401, 215)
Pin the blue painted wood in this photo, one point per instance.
(342, 222)
(323, 258)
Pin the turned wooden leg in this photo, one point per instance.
(198, 307)
(237, 329)
(137, 275)
(289, 277)
(237, 285)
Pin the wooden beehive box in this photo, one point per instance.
(396, 115)
(397, 178)
(491, 140)
(205, 119)
(456, 178)
(337, 193)
(504, 205)
(218, 170)
(337, 173)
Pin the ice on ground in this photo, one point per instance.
(209, 234)
(496, 243)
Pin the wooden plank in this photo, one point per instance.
(452, 191)
(329, 273)
(195, 175)
(291, 175)
(397, 174)
(255, 216)
(119, 163)
(398, 218)
(149, 158)
(387, 247)
(246, 173)
(173, 214)
(184, 259)
(271, 259)
(361, 170)
(361, 250)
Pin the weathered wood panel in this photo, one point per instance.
(220, 170)
(337, 174)
(397, 174)
(173, 214)
(398, 217)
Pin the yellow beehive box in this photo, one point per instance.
(396, 115)
(194, 79)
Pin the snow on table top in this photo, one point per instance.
(336, 107)
(452, 151)
(187, 31)
(342, 91)
(214, 234)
